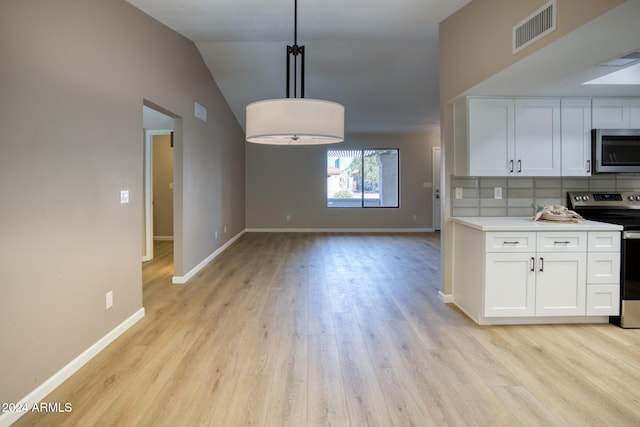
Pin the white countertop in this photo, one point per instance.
(527, 224)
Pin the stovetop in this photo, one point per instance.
(614, 207)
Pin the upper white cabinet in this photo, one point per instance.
(491, 136)
(616, 113)
(514, 137)
(575, 123)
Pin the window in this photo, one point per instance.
(367, 178)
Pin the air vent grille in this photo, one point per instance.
(535, 26)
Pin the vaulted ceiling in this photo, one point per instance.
(378, 58)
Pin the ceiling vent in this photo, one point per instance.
(535, 26)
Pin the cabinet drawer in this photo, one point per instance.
(510, 242)
(562, 241)
(603, 300)
(603, 267)
(604, 241)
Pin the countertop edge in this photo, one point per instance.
(527, 224)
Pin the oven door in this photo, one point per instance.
(630, 265)
(630, 282)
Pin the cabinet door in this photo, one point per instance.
(561, 284)
(490, 136)
(509, 285)
(610, 113)
(537, 137)
(575, 136)
(603, 267)
(603, 300)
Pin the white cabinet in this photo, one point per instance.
(547, 281)
(511, 285)
(603, 274)
(536, 276)
(514, 137)
(561, 284)
(575, 124)
(509, 274)
(491, 136)
(616, 113)
(537, 137)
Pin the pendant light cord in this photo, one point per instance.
(295, 50)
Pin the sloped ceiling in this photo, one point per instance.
(378, 58)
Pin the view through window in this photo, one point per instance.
(363, 178)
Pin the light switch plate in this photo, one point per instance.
(458, 192)
(497, 193)
(124, 197)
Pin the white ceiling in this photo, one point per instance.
(377, 57)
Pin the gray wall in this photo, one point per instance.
(284, 180)
(73, 78)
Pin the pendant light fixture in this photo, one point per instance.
(295, 121)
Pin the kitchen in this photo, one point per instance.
(489, 128)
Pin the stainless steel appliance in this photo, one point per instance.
(615, 150)
(622, 208)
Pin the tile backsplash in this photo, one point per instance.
(521, 196)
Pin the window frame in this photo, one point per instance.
(362, 154)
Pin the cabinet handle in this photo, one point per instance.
(588, 166)
(519, 166)
(510, 243)
(533, 264)
(541, 264)
(510, 166)
(561, 243)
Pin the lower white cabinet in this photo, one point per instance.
(561, 285)
(537, 275)
(510, 288)
(550, 281)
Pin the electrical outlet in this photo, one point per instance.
(109, 300)
(216, 234)
(288, 217)
(225, 228)
(497, 192)
(413, 217)
(458, 192)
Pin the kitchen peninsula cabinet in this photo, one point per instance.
(515, 271)
(513, 137)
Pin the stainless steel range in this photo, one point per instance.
(622, 208)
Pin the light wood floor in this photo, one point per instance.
(342, 330)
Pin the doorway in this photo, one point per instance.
(159, 140)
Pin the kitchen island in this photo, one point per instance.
(512, 270)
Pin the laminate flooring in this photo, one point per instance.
(306, 329)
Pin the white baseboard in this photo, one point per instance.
(181, 280)
(445, 298)
(339, 230)
(40, 392)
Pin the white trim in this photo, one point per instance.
(181, 280)
(339, 230)
(163, 238)
(445, 298)
(40, 392)
(146, 258)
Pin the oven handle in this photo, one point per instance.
(631, 235)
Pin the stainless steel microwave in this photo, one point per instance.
(615, 150)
